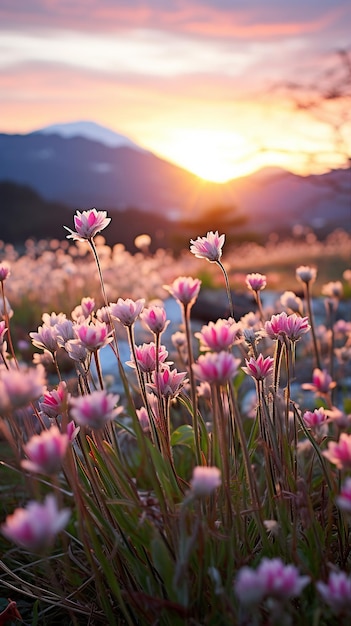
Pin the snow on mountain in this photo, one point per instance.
(92, 131)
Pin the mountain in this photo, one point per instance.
(82, 172)
(90, 130)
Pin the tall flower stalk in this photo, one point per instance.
(172, 501)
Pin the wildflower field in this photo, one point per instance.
(204, 479)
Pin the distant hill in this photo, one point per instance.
(80, 172)
(90, 130)
(25, 214)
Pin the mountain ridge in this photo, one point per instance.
(82, 173)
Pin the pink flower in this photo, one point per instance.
(4, 271)
(336, 592)
(271, 579)
(179, 339)
(256, 282)
(344, 499)
(275, 328)
(184, 289)
(168, 383)
(64, 332)
(306, 274)
(3, 331)
(127, 311)
(54, 402)
(88, 306)
(333, 289)
(219, 335)
(209, 247)
(290, 326)
(281, 581)
(216, 367)
(249, 587)
(76, 351)
(23, 386)
(155, 318)
(143, 418)
(35, 527)
(259, 368)
(143, 242)
(53, 318)
(93, 336)
(315, 418)
(339, 452)
(291, 301)
(146, 357)
(88, 224)
(205, 480)
(204, 390)
(45, 338)
(322, 382)
(95, 409)
(4, 304)
(46, 451)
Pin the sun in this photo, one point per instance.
(210, 154)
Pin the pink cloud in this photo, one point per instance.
(211, 18)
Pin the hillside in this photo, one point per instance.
(81, 173)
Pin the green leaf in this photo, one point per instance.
(183, 436)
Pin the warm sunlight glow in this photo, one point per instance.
(210, 154)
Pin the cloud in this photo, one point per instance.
(206, 18)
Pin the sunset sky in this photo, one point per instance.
(195, 81)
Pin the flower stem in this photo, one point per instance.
(231, 308)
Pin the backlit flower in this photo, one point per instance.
(321, 383)
(64, 332)
(46, 451)
(184, 289)
(219, 335)
(256, 282)
(259, 368)
(88, 224)
(54, 401)
(272, 579)
(4, 271)
(216, 367)
(88, 306)
(315, 418)
(334, 289)
(155, 318)
(290, 326)
(167, 383)
(35, 527)
(3, 331)
(317, 421)
(205, 480)
(127, 311)
(336, 592)
(306, 274)
(23, 386)
(209, 247)
(291, 301)
(93, 336)
(5, 305)
(339, 452)
(143, 418)
(45, 338)
(95, 409)
(146, 357)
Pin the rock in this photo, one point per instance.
(213, 304)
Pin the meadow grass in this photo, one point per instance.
(214, 487)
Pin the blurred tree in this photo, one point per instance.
(327, 100)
